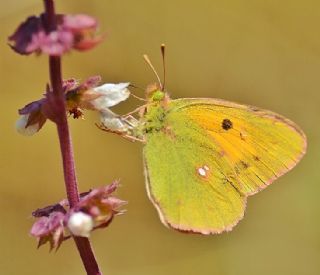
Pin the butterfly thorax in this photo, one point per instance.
(154, 116)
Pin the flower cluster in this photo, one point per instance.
(72, 32)
(59, 222)
(78, 97)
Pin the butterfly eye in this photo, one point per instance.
(227, 124)
(157, 96)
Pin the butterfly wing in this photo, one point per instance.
(209, 155)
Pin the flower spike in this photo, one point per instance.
(72, 32)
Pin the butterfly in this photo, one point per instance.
(203, 157)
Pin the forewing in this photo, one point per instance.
(258, 144)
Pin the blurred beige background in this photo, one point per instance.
(260, 52)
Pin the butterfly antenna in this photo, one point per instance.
(135, 96)
(163, 53)
(146, 58)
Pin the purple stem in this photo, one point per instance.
(83, 244)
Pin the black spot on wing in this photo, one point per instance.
(227, 124)
(256, 158)
(241, 166)
(244, 164)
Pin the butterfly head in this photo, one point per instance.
(154, 94)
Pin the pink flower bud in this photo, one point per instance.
(73, 31)
(32, 118)
(96, 209)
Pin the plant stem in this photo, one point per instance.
(83, 244)
(63, 131)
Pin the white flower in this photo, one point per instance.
(80, 224)
(109, 95)
(112, 122)
(26, 131)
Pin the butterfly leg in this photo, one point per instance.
(121, 133)
(139, 110)
(130, 120)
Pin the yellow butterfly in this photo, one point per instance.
(203, 157)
